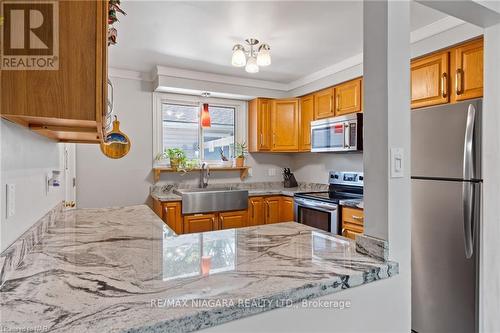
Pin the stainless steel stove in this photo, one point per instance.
(320, 209)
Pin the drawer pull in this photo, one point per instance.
(358, 218)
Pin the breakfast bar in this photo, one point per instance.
(123, 270)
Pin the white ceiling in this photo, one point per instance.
(304, 36)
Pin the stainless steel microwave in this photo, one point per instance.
(337, 134)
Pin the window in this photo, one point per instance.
(181, 129)
(220, 136)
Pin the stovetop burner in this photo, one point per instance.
(343, 186)
(334, 197)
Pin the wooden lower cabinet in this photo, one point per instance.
(286, 209)
(352, 222)
(272, 209)
(235, 219)
(261, 210)
(200, 223)
(170, 213)
(256, 211)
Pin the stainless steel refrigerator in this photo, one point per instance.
(446, 209)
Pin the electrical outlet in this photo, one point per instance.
(11, 200)
(271, 172)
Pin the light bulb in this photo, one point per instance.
(264, 56)
(252, 66)
(239, 58)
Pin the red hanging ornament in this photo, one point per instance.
(205, 116)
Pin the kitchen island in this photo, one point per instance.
(123, 269)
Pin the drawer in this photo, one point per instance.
(353, 215)
(350, 234)
(353, 227)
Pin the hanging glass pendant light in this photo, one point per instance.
(205, 116)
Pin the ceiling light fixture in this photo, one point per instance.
(251, 58)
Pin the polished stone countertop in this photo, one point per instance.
(123, 269)
(166, 192)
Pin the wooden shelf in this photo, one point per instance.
(243, 171)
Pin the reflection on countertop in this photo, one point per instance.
(116, 269)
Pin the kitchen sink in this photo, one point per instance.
(206, 200)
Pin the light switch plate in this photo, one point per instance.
(11, 200)
(397, 163)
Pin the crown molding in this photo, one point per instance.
(129, 74)
(219, 78)
(418, 35)
(435, 28)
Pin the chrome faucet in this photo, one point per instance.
(204, 175)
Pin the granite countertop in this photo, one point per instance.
(354, 203)
(166, 192)
(123, 269)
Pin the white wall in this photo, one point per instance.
(314, 167)
(26, 158)
(104, 182)
(489, 284)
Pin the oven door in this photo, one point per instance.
(317, 214)
(329, 136)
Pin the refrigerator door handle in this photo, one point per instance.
(469, 197)
(468, 170)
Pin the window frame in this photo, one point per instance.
(159, 98)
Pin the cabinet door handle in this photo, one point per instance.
(338, 102)
(214, 225)
(458, 81)
(253, 209)
(261, 141)
(331, 104)
(444, 85)
(267, 209)
(274, 139)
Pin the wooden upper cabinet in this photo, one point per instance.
(66, 104)
(285, 124)
(286, 209)
(323, 104)
(430, 80)
(256, 211)
(272, 209)
(467, 64)
(348, 97)
(259, 125)
(306, 116)
(200, 223)
(236, 219)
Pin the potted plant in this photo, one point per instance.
(161, 158)
(240, 152)
(177, 157)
